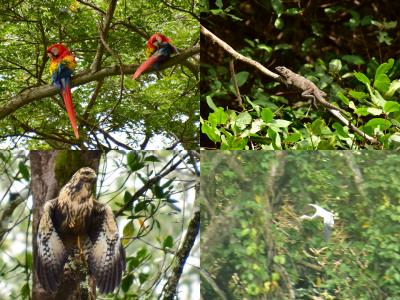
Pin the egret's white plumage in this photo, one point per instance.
(326, 215)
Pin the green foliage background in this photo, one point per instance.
(348, 48)
(254, 246)
(163, 108)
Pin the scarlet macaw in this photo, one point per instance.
(158, 49)
(61, 68)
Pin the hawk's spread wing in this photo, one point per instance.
(107, 257)
(51, 255)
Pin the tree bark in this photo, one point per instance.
(46, 184)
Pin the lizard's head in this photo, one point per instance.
(281, 70)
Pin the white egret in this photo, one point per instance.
(326, 215)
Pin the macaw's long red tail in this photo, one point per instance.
(66, 93)
(144, 66)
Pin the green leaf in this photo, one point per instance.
(382, 83)
(241, 78)
(267, 48)
(389, 25)
(283, 47)
(362, 78)
(25, 291)
(126, 282)
(152, 158)
(23, 169)
(280, 123)
(267, 115)
(343, 98)
(335, 65)
(277, 6)
(141, 205)
(379, 122)
(256, 126)
(243, 120)
(391, 106)
(394, 86)
(276, 139)
(293, 11)
(340, 131)
(279, 24)
(353, 59)
(168, 242)
(293, 137)
(358, 95)
(317, 126)
(134, 161)
(374, 111)
(211, 131)
(128, 232)
(127, 197)
(377, 98)
(384, 68)
(395, 138)
(383, 37)
(143, 277)
(218, 117)
(362, 111)
(211, 103)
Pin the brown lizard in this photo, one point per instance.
(308, 88)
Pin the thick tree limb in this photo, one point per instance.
(81, 78)
(181, 256)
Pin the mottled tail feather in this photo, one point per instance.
(146, 65)
(66, 93)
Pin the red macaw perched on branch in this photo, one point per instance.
(61, 67)
(159, 50)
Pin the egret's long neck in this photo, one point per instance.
(305, 217)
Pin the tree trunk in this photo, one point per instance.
(50, 171)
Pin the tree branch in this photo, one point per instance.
(181, 256)
(81, 78)
(149, 184)
(237, 55)
(103, 32)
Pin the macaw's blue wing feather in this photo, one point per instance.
(164, 53)
(61, 76)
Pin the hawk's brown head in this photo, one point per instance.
(79, 189)
(85, 174)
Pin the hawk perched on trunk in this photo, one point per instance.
(76, 221)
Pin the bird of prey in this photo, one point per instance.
(76, 222)
(326, 215)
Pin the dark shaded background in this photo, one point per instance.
(322, 30)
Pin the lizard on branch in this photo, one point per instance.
(308, 88)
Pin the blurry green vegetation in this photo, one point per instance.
(254, 246)
(349, 49)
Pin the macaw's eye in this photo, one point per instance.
(54, 51)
